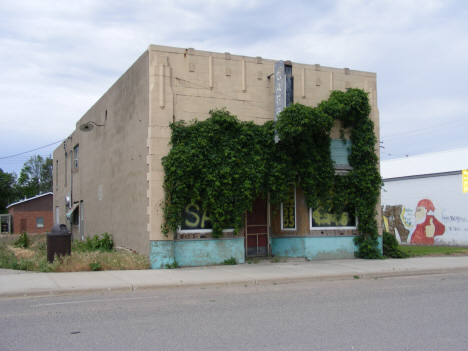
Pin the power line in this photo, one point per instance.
(22, 153)
(425, 128)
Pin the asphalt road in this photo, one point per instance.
(403, 313)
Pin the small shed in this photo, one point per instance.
(425, 198)
(33, 215)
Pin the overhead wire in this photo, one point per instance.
(22, 153)
(402, 134)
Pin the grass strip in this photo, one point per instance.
(417, 251)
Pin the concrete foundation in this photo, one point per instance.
(196, 252)
(313, 248)
(161, 253)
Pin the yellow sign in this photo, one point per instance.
(465, 181)
(289, 211)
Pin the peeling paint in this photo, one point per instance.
(161, 253)
(316, 248)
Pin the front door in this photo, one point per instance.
(256, 229)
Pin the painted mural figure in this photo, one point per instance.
(427, 226)
(392, 221)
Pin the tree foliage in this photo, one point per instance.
(225, 164)
(8, 190)
(36, 176)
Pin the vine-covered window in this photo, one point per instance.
(196, 220)
(340, 150)
(288, 210)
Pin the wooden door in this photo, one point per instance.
(256, 229)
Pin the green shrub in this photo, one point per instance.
(23, 241)
(172, 265)
(104, 244)
(230, 261)
(391, 247)
(95, 266)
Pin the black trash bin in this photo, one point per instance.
(58, 242)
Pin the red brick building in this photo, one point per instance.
(33, 215)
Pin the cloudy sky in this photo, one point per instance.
(58, 57)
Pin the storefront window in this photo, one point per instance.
(288, 210)
(323, 219)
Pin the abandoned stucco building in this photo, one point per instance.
(108, 175)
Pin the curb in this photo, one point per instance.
(299, 279)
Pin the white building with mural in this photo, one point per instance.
(425, 198)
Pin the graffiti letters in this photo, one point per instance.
(289, 210)
(193, 217)
(322, 218)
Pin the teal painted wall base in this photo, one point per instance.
(195, 252)
(161, 253)
(208, 252)
(316, 248)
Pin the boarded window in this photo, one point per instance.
(288, 210)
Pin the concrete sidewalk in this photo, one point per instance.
(264, 272)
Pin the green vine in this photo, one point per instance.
(224, 164)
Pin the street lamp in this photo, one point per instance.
(89, 126)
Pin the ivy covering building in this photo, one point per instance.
(195, 157)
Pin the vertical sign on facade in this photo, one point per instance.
(465, 181)
(284, 88)
(280, 91)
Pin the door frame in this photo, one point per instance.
(246, 225)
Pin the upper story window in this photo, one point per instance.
(56, 174)
(66, 165)
(76, 150)
(339, 154)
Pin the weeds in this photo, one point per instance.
(95, 266)
(230, 261)
(23, 241)
(172, 265)
(34, 258)
(106, 244)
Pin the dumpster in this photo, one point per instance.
(58, 242)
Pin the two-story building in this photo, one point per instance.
(108, 175)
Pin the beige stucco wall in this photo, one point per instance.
(111, 176)
(187, 84)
